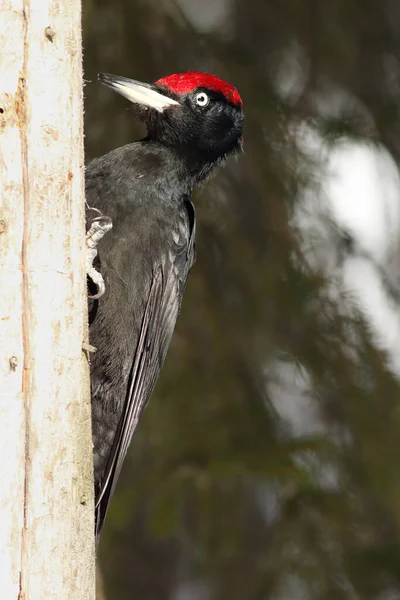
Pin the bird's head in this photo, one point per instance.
(193, 112)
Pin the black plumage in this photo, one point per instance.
(145, 188)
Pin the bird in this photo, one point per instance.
(194, 121)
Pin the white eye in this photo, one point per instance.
(202, 99)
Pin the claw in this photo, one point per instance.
(99, 227)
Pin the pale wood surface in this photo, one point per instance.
(46, 492)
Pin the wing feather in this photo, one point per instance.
(159, 318)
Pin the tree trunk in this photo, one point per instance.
(46, 495)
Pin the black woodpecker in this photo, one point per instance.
(194, 120)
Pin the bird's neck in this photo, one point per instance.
(199, 167)
(190, 164)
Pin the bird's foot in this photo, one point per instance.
(88, 349)
(98, 228)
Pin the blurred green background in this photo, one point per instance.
(267, 463)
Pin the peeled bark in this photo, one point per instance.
(46, 495)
